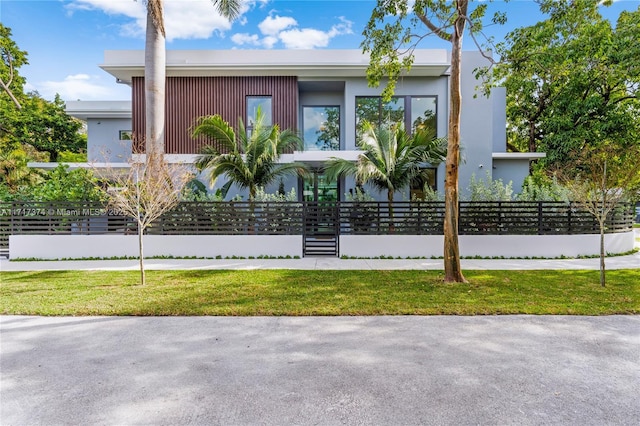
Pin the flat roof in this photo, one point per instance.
(125, 64)
(98, 109)
(518, 155)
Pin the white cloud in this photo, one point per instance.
(306, 38)
(309, 38)
(184, 19)
(84, 87)
(284, 29)
(272, 25)
(269, 41)
(245, 38)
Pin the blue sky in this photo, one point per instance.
(66, 39)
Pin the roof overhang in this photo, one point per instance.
(126, 64)
(518, 155)
(98, 109)
(75, 166)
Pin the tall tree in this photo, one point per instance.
(572, 79)
(47, 127)
(154, 74)
(11, 58)
(248, 159)
(390, 159)
(29, 123)
(394, 30)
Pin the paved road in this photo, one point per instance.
(498, 370)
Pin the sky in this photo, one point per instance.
(66, 39)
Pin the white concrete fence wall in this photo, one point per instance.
(485, 245)
(105, 246)
(210, 246)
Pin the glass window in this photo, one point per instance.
(373, 110)
(423, 114)
(414, 112)
(420, 183)
(125, 135)
(318, 187)
(255, 104)
(321, 128)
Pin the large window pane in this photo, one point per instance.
(423, 114)
(367, 109)
(378, 113)
(392, 114)
(396, 112)
(256, 103)
(420, 183)
(321, 128)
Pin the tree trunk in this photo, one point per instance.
(154, 78)
(602, 254)
(11, 95)
(452, 269)
(143, 280)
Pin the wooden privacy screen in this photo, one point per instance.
(188, 98)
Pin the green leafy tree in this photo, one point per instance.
(11, 58)
(15, 175)
(394, 30)
(62, 184)
(47, 127)
(29, 124)
(248, 159)
(572, 79)
(603, 177)
(391, 159)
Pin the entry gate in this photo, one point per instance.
(321, 229)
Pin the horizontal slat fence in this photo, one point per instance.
(231, 218)
(287, 218)
(402, 218)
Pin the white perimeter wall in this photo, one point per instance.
(89, 246)
(92, 246)
(484, 245)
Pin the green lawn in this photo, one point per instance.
(293, 292)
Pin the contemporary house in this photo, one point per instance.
(321, 93)
(324, 95)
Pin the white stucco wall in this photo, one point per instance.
(90, 246)
(103, 140)
(485, 245)
(477, 130)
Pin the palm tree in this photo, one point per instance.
(391, 158)
(248, 159)
(154, 74)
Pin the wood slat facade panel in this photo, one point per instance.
(188, 98)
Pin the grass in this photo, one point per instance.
(293, 292)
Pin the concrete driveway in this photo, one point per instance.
(498, 370)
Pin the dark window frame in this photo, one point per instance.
(407, 110)
(339, 123)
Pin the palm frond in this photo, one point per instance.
(229, 9)
(336, 168)
(219, 131)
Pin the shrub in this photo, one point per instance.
(489, 190)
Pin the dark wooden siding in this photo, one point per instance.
(188, 98)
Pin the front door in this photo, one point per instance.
(318, 188)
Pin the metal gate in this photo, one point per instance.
(321, 229)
